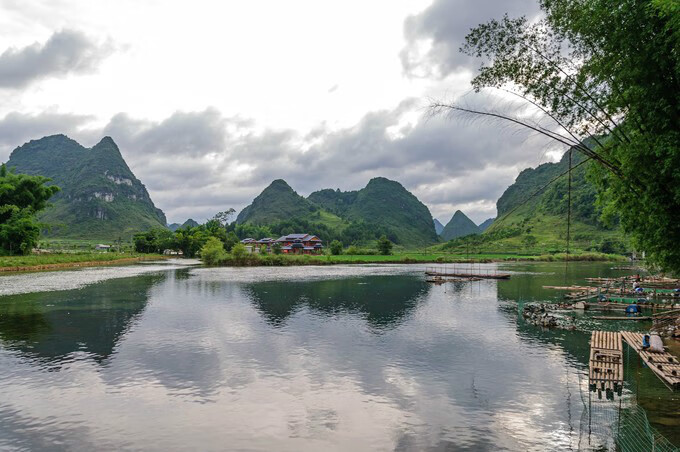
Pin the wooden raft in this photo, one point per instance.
(606, 363)
(664, 365)
(470, 275)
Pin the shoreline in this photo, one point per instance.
(76, 264)
(284, 261)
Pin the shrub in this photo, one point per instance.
(352, 250)
(212, 253)
(336, 247)
(384, 246)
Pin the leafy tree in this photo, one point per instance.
(21, 197)
(230, 240)
(212, 252)
(336, 247)
(155, 240)
(239, 251)
(609, 70)
(529, 240)
(224, 217)
(276, 248)
(384, 246)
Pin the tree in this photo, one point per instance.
(276, 248)
(155, 240)
(212, 253)
(336, 247)
(384, 246)
(21, 198)
(608, 70)
(529, 240)
(224, 217)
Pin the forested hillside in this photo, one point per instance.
(100, 197)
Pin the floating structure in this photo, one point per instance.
(456, 273)
(606, 364)
(612, 317)
(663, 364)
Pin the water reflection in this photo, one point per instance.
(227, 359)
(383, 301)
(52, 325)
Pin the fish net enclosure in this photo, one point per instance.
(621, 423)
(636, 434)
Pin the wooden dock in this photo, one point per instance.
(606, 363)
(664, 365)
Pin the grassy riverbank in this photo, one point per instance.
(403, 258)
(66, 260)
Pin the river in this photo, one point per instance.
(174, 356)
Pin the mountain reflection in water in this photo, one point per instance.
(360, 358)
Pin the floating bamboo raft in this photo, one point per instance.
(606, 364)
(612, 317)
(664, 365)
(489, 275)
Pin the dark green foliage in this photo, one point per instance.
(384, 246)
(459, 226)
(100, 196)
(155, 240)
(605, 68)
(21, 198)
(276, 248)
(336, 201)
(336, 247)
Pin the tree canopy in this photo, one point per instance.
(21, 197)
(606, 70)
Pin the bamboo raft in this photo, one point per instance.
(664, 365)
(606, 364)
(469, 275)
(442, 280)
(613, 317)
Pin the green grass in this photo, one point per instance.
(68, 258)
(405, 258)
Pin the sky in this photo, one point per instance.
(210, 101)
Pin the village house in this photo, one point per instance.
(300, 244)
(290, 244)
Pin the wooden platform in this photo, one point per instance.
(490, 275)
(664, 365)
(606, 363)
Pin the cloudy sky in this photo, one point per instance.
(210, 101)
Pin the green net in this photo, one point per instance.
(636, 434)
(622, 424)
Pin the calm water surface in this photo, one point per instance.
(177, 357)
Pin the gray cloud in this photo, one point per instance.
(65, 52)
(435, 35)
(18, 128)
(197, 163)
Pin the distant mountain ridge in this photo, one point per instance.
(483, 226)
(190, 223)
(100, 197)
(438, 226)
(459, 226)
(382, 202)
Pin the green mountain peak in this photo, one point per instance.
(459, 226)
(100, 197)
